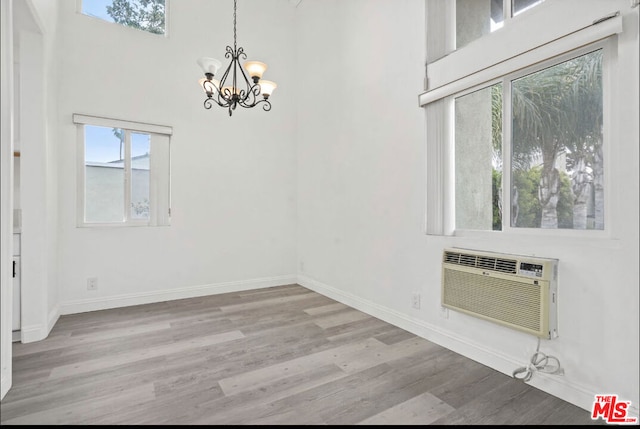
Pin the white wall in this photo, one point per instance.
(233, 178)
(34, 173)
(34, 32)
(6, 187)
(361, 204)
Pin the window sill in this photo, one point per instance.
(117, 225)
(559, 237)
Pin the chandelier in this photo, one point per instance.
(234, 88)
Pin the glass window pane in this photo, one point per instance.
(478, 155)
(519, 6)
(104, 174)
(140, 155)
(557, 139)
(476, 18)
(146, 15)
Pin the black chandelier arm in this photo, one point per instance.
(235, 53)
(244, 75)
(209, 87)
(249, 98)
(223, 79)
(225, 93)
(266, 105)
(240, 53)
(208, 103)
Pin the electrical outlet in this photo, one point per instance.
(302, 266)
(92, 283)
(415, 300)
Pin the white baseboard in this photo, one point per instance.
(103, 303)
(573, 393)
(5, 385)
(32, 333)
(54, 315)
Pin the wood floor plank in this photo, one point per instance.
(123, 358)
(259, 377)
(278, 355)
(248, 306)
(419, 410)
(323, 309)
(76, 339)
(86, 411)
(341, 318)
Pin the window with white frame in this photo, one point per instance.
(145, 15)
(123, 172)
(518, 136)
(552, 117)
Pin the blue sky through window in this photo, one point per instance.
(101, 145)
(97, 8)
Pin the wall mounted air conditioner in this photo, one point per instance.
(515, 291)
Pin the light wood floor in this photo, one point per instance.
(277, 356)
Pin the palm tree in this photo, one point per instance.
(536, 107)
(583, 116)
(119, 134)
(496, 139)
(559, 110)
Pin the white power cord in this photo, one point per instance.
(539, 363)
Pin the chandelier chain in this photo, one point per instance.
(235, 36)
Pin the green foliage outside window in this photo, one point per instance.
(147, 15)
(529, 209)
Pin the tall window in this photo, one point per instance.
(146, 15)
(124, 173)
(551, 120)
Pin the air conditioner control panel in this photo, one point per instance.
(529, 269)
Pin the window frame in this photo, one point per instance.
(159, 210)
(166, 19)
(608, 52)
(452, 72)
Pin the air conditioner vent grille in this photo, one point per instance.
(509, 301)
(501, 265)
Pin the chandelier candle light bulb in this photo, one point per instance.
(234, 88)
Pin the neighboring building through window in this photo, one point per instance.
(146, 15)
(123, 172)
(477, 18)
